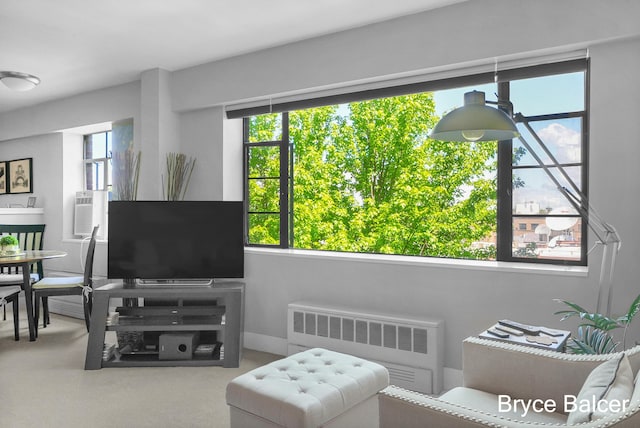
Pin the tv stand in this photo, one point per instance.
(174, 282)
(188, 313)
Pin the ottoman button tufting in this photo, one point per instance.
(344, 396)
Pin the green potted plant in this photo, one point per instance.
(9, 245)
(596, 331)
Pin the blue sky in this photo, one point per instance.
(530, 96)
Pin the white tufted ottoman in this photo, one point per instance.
(314, 388)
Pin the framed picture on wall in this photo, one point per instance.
(3, 178)
(20, 178)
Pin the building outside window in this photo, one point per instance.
(364, 176)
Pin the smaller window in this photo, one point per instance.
(97, 161)
(522, 226)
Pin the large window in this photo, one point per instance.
(97, 159)
(363, 176)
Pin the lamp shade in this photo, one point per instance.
(18, 81)
(475, 121)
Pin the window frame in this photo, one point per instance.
(505, 215)
(105, 160)
(285, 179)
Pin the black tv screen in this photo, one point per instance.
(167, 240)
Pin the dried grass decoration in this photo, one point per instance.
(179, 171)
(126, 172)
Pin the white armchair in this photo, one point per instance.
(495, 371)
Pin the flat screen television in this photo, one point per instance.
(173, 241)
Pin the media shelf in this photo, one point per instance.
(150, 358)
(209, 318)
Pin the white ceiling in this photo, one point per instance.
(75, 46)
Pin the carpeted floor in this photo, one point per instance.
(43, 384)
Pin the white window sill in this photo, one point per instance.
(431, 262)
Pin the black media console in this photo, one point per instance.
(177, 325)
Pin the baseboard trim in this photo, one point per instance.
(70, 306)
(263, 343)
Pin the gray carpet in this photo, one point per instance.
(43, 384)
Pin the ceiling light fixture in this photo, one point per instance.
(18, 81)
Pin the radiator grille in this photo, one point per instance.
(366, 332)
(404, 345)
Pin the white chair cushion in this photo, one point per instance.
(611, 382)
(16, 278)
(307, 389)
(9, 291)
(59, 282)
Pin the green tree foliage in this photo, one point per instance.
(367, 179)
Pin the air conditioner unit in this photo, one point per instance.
(90, 209)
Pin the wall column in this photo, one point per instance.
(158, 131)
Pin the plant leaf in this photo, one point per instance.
(596, 320)
(633, 311)
(592, 341)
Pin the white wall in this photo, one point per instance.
(46, 151)
(459, 35)
(468, 299)
(201, 136)
(103, 105)
(233, 160)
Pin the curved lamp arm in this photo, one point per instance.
(605, 232)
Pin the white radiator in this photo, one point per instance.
(411, 349)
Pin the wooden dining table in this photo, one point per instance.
(24, 260)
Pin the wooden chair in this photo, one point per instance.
(31, 237)
(10, 294)
(67, 286)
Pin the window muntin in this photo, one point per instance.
(327, 152)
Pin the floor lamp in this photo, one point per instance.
(476, 121)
